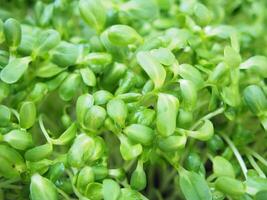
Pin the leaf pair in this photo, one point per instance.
(194, 186)
(82, 150)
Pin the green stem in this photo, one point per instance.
(76, 192)
(166, 181)
(237, 155)
(158, 194)
(208, 116)
(255, 166)
(129, 165)
(15, 187)
(43, 129)
(7, 182)
(63, 194)
(211, 177)
(258, 156)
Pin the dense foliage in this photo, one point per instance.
(133, 100)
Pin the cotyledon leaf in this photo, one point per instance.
(167, 109)
(42, 189)
(152, 67)
(14, 70)
(256, 64)
(194, 186)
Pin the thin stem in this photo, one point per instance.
(7, 182)
(211, 177)
(159, 195)
(208, 116)
(76, 192)
(129, 165)
(47, 137)
(15, 187)
(168, 179)
(258, 156)
(255, 166)
(63, 194)
(237, 155)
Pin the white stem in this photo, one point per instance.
(255, 166)
(237, 155)
(43, 129)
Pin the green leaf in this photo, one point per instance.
(141, 10)
(85, 176)
(193, 162)
(27, 114)
(48, 69)
(39, 152)
(118, 111)
(140, 133)
(202, 14)
(222, 167)
(111, 190)
(194, 186)
(172, 143)
(56, 171)
(38, 92)
(5, 115)
(204, 132)
(46, 40)
(81, 150)
(255, 99)
(189, 94)
(69, 87)
(152, 67)
(144, 116)
(55, 82)
(12, 156)
(256, 64)
(167, 110)
(262, 195)
(18, 139)
(14, 70)
(129, 194)
(67, 136)
(231, 57)
(163, 55)
(66, 54)
(188, 72)
(230, 186)
(12, 31)
(102, 97)
(94, 191)
(95, 117)
(122, 35)
(255, 184)
(129, 150)
(138, 178)
(93, 13)
(113, 75)
(7, 170)
(83, 103)
(88, 76)
(42, 189)
(219, 74)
